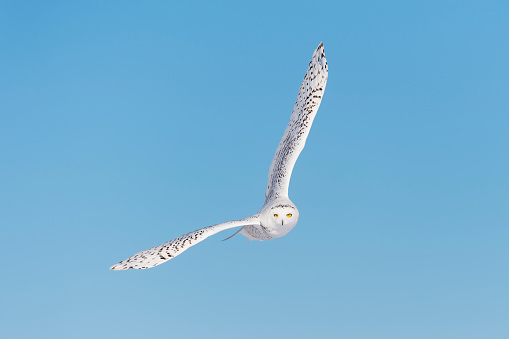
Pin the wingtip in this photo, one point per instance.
(320, 48)
(116, 267)
(319, 52)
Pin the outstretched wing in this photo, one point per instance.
(304, 111)
(169, 250)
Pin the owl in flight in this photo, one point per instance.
(279, 214)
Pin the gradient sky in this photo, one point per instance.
(125, 124)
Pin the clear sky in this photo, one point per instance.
(127, 123)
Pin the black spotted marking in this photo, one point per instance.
(254, 232)
(282, 206)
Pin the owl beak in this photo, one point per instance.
(282, 222)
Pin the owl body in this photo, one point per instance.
(278, 215)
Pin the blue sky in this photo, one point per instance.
(125, 124)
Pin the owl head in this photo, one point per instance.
(280, 218)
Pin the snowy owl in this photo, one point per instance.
(278, 215)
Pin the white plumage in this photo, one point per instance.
(278, 215)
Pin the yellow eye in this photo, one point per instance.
(275, 215)
(289, 215)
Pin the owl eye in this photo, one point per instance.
(289, 215)
(275, 215)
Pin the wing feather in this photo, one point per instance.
(157, 255)
(294, 138)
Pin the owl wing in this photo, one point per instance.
(294, 138)
(169, 250)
